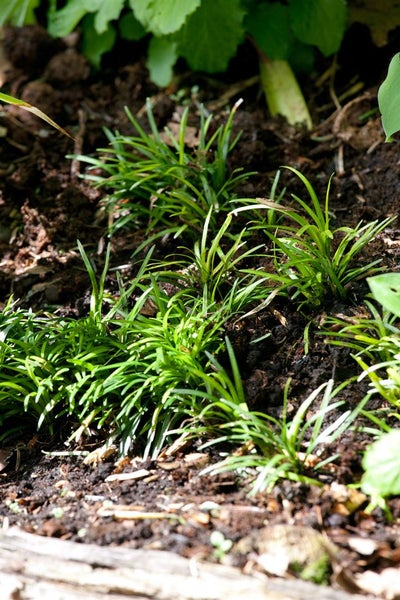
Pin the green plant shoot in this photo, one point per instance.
(36, 111)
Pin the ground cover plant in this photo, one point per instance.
(165, 367)
(159, 182)
(201, 329)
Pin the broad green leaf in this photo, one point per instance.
(106, 12)
(161, 59)
(62, 22)
(320, 23)
(95, 44)
(36, 111)
(389, 98)
(18, 12)
(204, 43)
(385, 289)
(381, 463)
(130, 28)
(163, 17)
(301, 57)
(269, 26)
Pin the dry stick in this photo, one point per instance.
(38, 568)
(78, 147)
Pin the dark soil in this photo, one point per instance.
(45, 207)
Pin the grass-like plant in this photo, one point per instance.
(281, 448)
(155, 180)
(32, 109)
(313, 260)
(375, 341)
(138, 375)
(211, 268)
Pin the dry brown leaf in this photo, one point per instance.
(364, 546)
(139, 474)
(196, 459)
(381, 17)
(4, 65)
(4, 458)
(385, 584)
(99, 455)
(191, 137)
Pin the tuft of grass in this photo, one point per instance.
(295, 448)
(156, 362)
(168, 180)
(138, 373)
(312, 261)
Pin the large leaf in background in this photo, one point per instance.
(381, 463)
(107, 11)
(130, 28)
(95, 44)
(210, 36)
(163, 17)
(320, 23)
(18, 12)
(61, 22)
(385, 289)
(269, 26)
(381, 17)
(161, 59)
(389, 98)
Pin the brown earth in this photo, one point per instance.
(46, 488)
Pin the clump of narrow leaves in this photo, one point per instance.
(165, 181)
(314, 261)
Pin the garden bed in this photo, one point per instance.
(51, 488)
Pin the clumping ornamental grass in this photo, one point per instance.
(146, 375)
(155, 181)
(312, 261)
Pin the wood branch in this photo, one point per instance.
(40, 568)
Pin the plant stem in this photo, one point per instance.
(282, 92)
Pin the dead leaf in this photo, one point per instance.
(4, 458)
(122, 512)
(99, 455)
(196, 459)
(139, 474)
(5, 66)
(172, 132)
(381, 17)
(364, 546)
(385, 584)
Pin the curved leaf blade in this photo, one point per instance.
(389, 98)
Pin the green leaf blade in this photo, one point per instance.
(389, 98)
(18, 12)
(204, 43)
(163, 17)
(319, 23)
(385, 289)
(61, 22)
(269, 26)
(381, 463)
(106, 12)
(161, 59)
